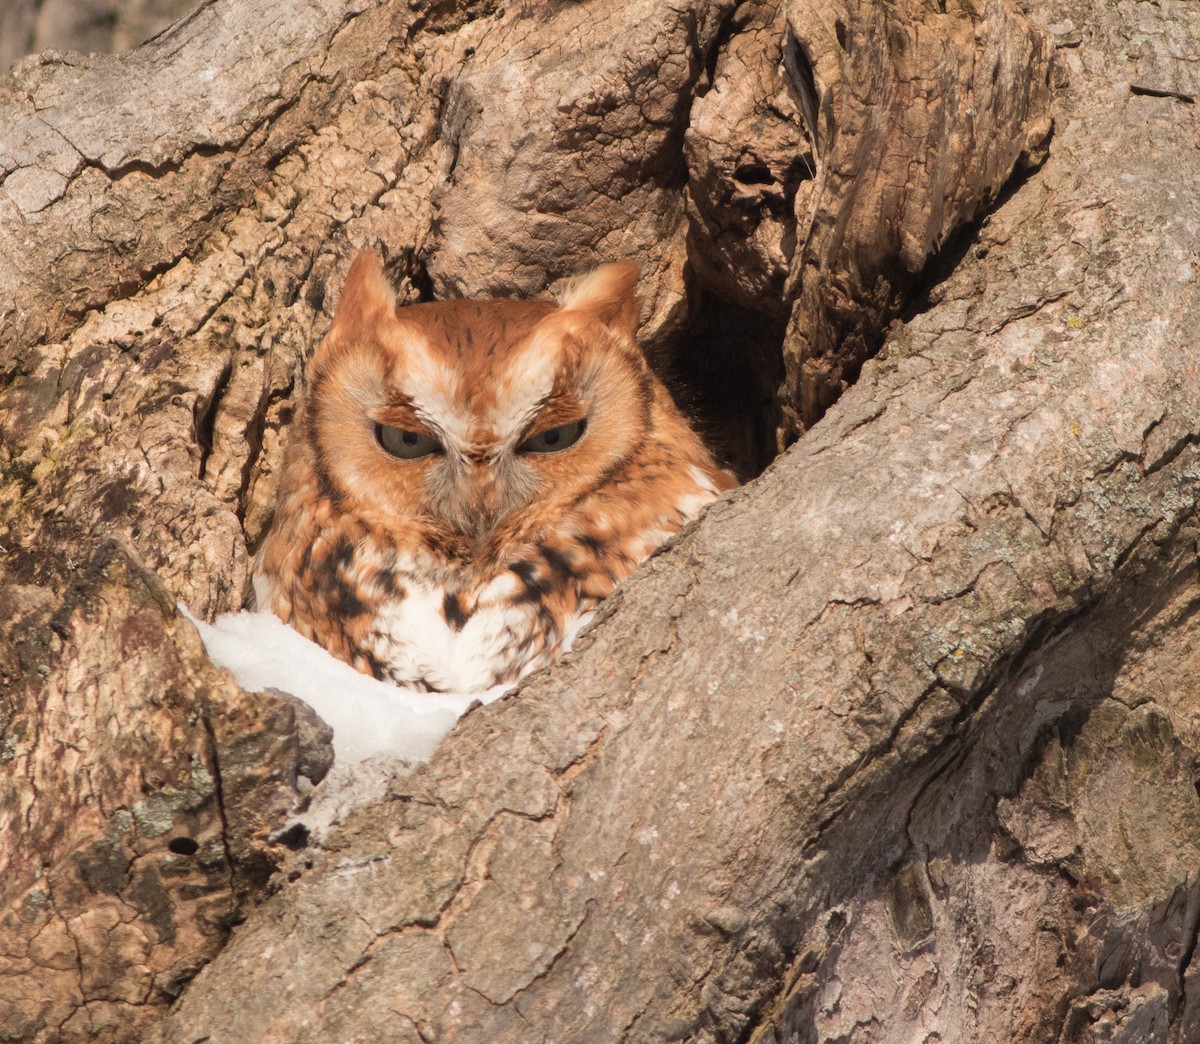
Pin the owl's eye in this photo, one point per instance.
(407, 445)
(554, 439)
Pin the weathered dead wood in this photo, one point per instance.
(968, 87)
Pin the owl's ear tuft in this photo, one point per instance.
(367, 296)
(607, 293)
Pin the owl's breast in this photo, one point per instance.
(453, 641)
(409, 616)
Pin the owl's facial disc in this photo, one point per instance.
(470, 416)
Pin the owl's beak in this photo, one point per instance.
(470, 497)
(485, 499)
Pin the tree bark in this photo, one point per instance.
(897, 740)
(141, 790)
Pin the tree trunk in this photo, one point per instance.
(895, 744)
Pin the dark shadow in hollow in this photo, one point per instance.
(725, 375)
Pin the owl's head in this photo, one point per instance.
(465, 413)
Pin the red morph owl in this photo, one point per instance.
(467, 480)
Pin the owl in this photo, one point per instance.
(467, 480)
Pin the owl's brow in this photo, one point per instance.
(561, 406)
(403, 412)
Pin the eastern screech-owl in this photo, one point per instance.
(466, 480)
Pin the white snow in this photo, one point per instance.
(368, 716)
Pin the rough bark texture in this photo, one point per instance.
(141, 788)
(918, 118)
(898, 743)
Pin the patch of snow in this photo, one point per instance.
(368, 717)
